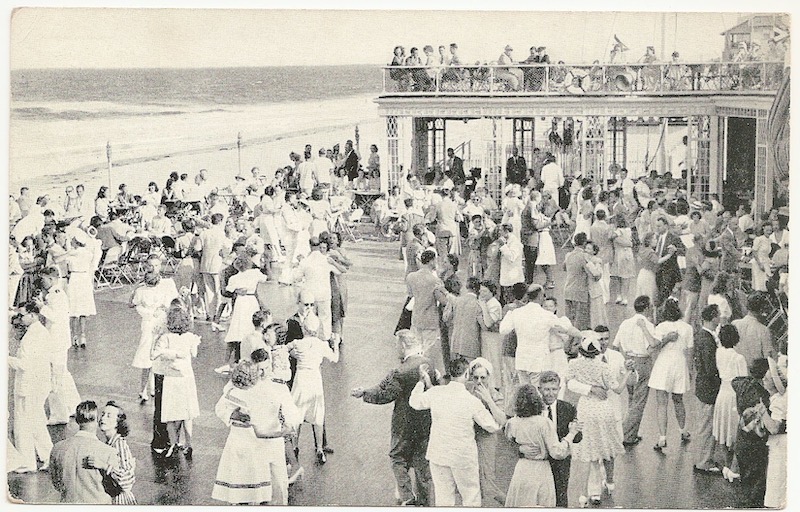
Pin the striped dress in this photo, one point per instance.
(125, 476)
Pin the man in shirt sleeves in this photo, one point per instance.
(633, 341)
(532, 323)
(452, 450)
(410, 428)
(78, 463)
(426, 289)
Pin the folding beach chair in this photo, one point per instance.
(132, 262)
(346, 227)
(167, 251)
(109, 273)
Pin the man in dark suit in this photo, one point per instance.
(410, 428)
(668, 248)
(706, 388)
(516, 168)
(455, 171)
(350, 164)
(562, 413)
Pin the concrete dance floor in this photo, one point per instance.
(359, 472)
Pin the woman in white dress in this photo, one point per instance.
(512, 208)
(584, 213)
(670, 374)
(760, 263)
(559, 343)
(152, 304)
(174, 351)
(241, 477)
(594, 267)
(243, 284)
(648, 266)
(547, 252)
(307, 391)
(725, 426)
(80, 288)
(292, 225)
(267, 211)
(320, 212)
(623, 268)
(775, 496)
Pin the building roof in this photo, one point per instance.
(757, 20)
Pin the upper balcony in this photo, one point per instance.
(531, 80)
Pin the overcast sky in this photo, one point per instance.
(114, 38)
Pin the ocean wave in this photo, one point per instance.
(47, 114)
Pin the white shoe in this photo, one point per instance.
(583, 502)
(216, 327)
(223, 369)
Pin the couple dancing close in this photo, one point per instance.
(433, 430)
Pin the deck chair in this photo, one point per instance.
(109, 273)
(167, 251)
(346, 226)
(133, 260)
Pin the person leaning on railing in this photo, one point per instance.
(401, 76)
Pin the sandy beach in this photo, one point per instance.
(56, 144)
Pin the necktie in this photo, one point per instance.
(550, 412)
(661, 245)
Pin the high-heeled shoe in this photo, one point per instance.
(143, 398)
(321, 458)
(659, 447)
(686, 437)
(594, 499)
(170, 451)
(187, 452)
(609, 487)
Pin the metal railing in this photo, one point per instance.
(582, 79)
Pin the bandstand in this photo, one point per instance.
(585, 115)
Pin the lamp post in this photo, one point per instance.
(239, 151)
(108, 159)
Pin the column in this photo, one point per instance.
(392, 169)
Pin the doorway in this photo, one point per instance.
(740, 171)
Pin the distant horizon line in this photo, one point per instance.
(200, 67)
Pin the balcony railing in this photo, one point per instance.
(583, 79)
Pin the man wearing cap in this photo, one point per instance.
(410, 428)
(513, 76)
(530, 323)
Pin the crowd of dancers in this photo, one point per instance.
(481, 337)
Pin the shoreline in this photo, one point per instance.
(148, 147)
